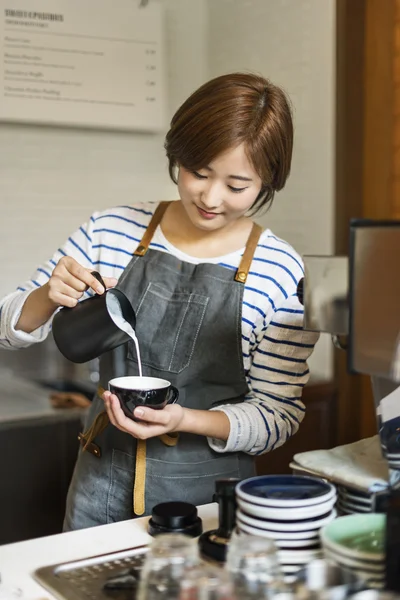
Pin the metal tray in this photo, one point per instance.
(85, 579)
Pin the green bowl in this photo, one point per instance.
(359, 536)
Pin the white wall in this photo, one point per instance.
(293, 43)
(51, 179)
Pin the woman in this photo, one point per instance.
(216, 304)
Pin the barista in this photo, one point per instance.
(216, 306)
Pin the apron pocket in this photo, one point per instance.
(192, 482)
(120, 491)
(168, 325)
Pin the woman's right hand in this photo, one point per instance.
(70, 280)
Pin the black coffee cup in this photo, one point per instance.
(142, 391)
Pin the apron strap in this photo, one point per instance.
(152, 226)
(244, 266)
(253, 239)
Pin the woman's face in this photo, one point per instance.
(220, 193)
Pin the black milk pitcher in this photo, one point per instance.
(92, 327)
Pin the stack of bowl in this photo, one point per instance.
(290, 509)
(357, 542)
(351, 501)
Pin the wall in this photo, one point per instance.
(52, 179)
(292, 43)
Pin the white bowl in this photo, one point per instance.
(354, 536)
(378, 567)
(285, 491)
(305, 525)
(298, 557)
(264, 524)
(289, 569)
(289, 544)
(264, 533)
(280, 535)
(352, 506)
(352, 497)
(287, 514)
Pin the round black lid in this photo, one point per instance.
(174, 515)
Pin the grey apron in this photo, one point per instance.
(190, 333)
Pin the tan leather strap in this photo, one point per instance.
(169, 439)
(243, 269)
(152, 226)
(98, 426)
(140, 478)
(89, 446)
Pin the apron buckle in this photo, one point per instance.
(90, 447)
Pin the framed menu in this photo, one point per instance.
(83, 63)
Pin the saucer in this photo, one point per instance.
(285, 491)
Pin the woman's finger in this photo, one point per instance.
(150, 415)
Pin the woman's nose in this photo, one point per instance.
(211, 198)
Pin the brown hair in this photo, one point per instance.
(230, 110)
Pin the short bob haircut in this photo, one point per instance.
(233, 109)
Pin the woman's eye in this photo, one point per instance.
(198, 175)
(236, 190)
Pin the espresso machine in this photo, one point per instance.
(356, 299)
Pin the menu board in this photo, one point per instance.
(85, 63)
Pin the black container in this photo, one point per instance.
(214, 543)
(175, 517)
(87, 331)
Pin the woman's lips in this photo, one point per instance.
(206, 215)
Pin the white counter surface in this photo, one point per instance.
(19, 561)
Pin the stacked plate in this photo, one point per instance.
(356, 542)
(352, 501)
(393, 461)
(290, 509)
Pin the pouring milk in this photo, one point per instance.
(115, 312)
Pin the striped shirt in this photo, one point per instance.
(275, 346)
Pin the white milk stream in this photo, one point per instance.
(115, 312)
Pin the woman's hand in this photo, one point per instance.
(152, 422)
(70, 280)
(66, 286)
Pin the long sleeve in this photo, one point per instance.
(79, 246)
(272, 410)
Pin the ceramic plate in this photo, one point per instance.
(288, 514)
(312, 544)
(298, 557)
(356, 536)
(290, 569)
(280, 535)
(294, 527)
(353, 497)
(378, 567)
(353, 507)
(253, 510)
(354, 491)
(285, 491)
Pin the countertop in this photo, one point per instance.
(23, 401)
(19, 561)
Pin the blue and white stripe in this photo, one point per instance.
(275, 346)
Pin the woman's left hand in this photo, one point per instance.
(152, 422)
